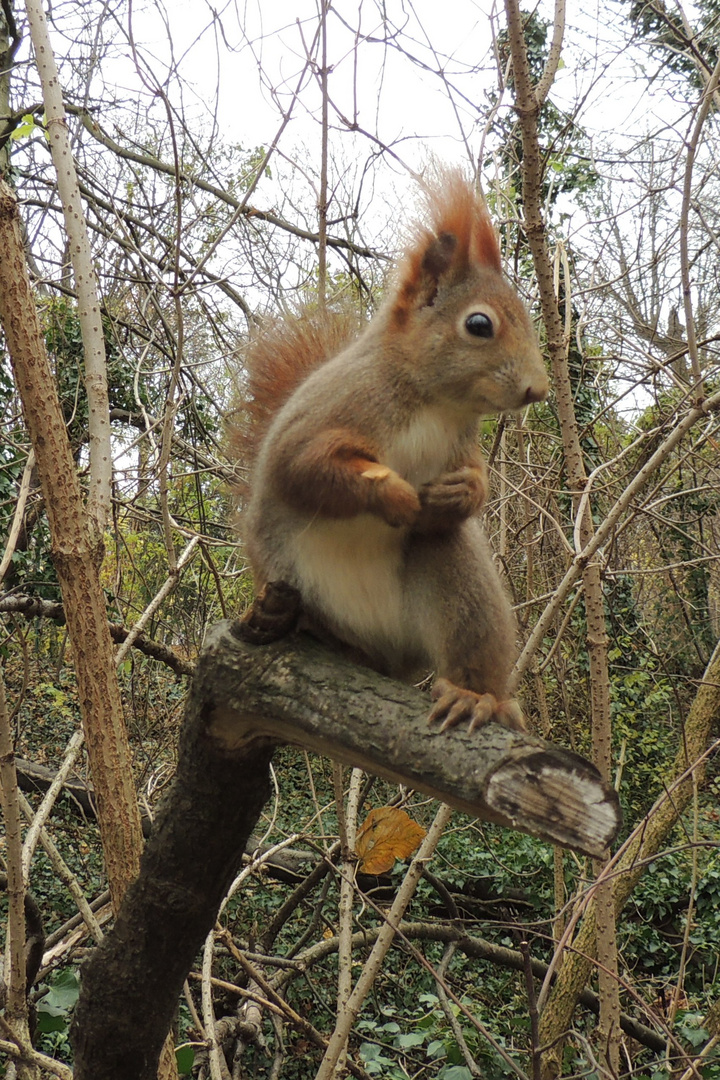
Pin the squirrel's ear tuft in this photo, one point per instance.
(455, 206)
(458, 236)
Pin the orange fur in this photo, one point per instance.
(459, 234)
(330, 475)
(278, 358)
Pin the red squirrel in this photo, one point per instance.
(366, 483)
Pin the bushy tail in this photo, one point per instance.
(277, 359)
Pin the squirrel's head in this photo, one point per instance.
(459, 321)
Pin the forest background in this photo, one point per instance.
(233, 163)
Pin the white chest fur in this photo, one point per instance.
(351, 569)
(423, 450)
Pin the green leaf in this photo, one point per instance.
(64, 991)
(413, 1038)
(51, 1020)
(696, 1036)
(53, 1011)
(185, 1057)
(370, 1051)
(24, 128)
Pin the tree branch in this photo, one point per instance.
(246, 698)
(150, 162)
(297, 691)
(34, 606)
(95, 375)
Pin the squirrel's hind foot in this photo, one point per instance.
(455, 705)
(273, 614)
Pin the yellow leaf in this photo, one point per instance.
(386, 834)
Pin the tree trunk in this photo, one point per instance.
(132, 983)
(528, 102)
(76, 562)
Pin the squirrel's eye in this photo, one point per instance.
(479, 325)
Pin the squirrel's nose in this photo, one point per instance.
(536, 391)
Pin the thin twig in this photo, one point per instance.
(45, 809)
(18, 516)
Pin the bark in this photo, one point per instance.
(132, 983)
(707, 101)
(14, 974)
(95, 376)
(646, 840)
(298, 691)
(528, 103)
(35, 607)
(9, 43)
(34, 777)
(75, 559)
(244, 700)
(477, 949)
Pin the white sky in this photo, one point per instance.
(239, 64)
(388, 94)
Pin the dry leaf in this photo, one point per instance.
(386, 834)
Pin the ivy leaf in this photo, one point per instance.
(64, 991)
(53, 1010)
(26, 127)
(185, 1057)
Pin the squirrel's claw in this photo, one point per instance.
(454, 704)
(510, 714)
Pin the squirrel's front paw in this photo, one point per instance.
(396, 501)
(455, 705)
(452, 498)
